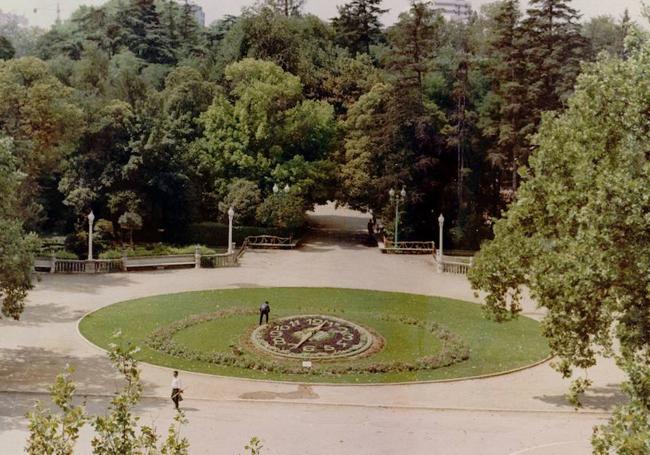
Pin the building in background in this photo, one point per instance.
(199, 14)
(455, 10)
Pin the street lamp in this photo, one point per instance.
(91, 218)
(441, 222)
(231, 214)
(397, 196)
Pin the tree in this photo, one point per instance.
(16, 29)
(244, 197)
(16, 248)
(260, 129)
(554, 48)
(39, 113)
(146, 36)
(506, 107)
(56, 434)
(576, 237)
(358, 26)
(604, 33)
(130, 221)
(116, 432)
(285, 7)
(7, 50)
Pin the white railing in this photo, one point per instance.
(408, 247)
(125, 264)
(454, 264)
(212, 261)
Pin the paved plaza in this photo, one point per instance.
(519, 413)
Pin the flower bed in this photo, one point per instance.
(453, 350)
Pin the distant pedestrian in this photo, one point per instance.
(371, 229)
(177, 390)
(265, 309)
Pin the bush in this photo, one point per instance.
(155, 249)
(209, 233)
(282, 210)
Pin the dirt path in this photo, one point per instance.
(500, 415)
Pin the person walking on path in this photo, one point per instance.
(177, 390)
(265, 309)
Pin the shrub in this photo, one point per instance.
(282, 210)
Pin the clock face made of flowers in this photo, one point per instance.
(312, 337)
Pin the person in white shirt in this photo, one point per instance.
(177, 390)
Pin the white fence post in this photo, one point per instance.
(197, 257)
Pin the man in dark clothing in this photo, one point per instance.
(265, 309)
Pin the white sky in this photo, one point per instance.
(43, 12)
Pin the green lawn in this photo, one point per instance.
(494, 347)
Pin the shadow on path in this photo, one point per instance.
(596, 399)
(303, 392)
(32, 369)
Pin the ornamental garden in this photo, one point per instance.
(319, 335)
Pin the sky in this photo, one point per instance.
(43, 12)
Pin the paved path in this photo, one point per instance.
(520, 413)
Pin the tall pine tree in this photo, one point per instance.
(554, 48)
(506, 105)
(358, 26)
(146, 36)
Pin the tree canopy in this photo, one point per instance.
(577, 238)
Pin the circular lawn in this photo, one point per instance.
(416, 337)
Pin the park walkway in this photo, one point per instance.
(519, 413)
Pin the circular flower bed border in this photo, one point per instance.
(453, 350)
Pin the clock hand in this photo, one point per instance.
(309, 335)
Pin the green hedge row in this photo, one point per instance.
(210, 233)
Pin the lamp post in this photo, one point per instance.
(276, 188)
(91, 218)
(441, 222)
(231, 214)
(397, 196)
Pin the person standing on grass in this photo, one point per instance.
(177, 390)
(265, 309)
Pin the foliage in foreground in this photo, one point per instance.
(16, 248)
(578, 238)
(116, 432)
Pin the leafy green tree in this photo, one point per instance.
(358, 26)
(263, 124)
(56, 434)
(7, 50)
(118, 431)
(348, 79)
(576, 238)
(39, 113)
(130, 221)
(16, 248)
(244, 197)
